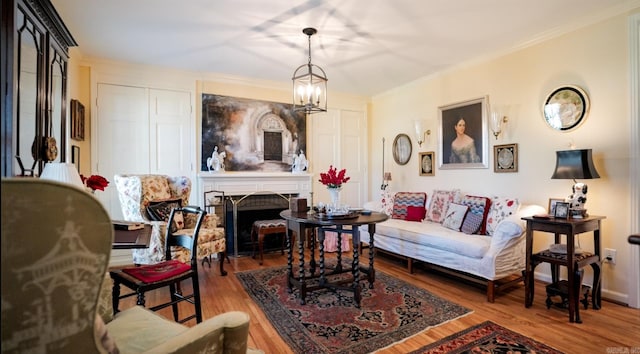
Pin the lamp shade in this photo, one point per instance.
(62, 172)
(574, 164)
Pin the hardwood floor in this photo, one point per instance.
(613, 329)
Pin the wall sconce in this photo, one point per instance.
(421, 134)
(497, 120)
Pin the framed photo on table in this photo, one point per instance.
(427, 164)
(552, 205)
(463, 135)
(562, 210)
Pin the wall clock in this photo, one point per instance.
(402, 149)
(566, 108)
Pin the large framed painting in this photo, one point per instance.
(463, 138)
(240, 134)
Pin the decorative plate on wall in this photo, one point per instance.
(566, 108)
(402, 149)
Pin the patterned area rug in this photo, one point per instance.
(486, 337)
(329, 322)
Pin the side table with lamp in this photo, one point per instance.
(570, 164)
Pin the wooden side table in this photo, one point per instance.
(569, 227)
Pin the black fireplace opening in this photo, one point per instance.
(249, 209)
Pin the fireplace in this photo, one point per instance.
(251, 196)
(243, 211)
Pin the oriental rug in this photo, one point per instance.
(486, 337)
(329, 322)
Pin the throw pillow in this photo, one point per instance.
(472, 223)
(415, 213)
(455, 215)
(387, 202)
(402, 200)
(501, 208)
(439, 203)
(160, 210)
(480, 206)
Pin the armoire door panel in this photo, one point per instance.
(170, 115)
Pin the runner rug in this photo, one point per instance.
(486, 337)
(329, 322)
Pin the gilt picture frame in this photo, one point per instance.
(77, 120)
(505, 158)
(426, 165)
(463, 135)
(552, 205)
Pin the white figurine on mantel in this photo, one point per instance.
(300, 163)
(215, 163)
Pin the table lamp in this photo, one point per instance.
(575, 164)
(62, 172)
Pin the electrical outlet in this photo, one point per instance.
(609, 255)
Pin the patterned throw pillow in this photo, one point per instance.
(479, 206)
(472, 223)
(402, 200)
(501, 208)
(415, 213)
(160, 210)
(439, 203)
(386, 199)
(455, 215)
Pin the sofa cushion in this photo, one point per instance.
(433, 235)
(501, 208)
(455, 216)
(478, 205)
(415, 213)
(439, 203)
(402, 200)
(472, 223)
(160, 210)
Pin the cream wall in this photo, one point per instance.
(594, 58)
(78, 88)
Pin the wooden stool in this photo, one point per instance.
(266, 227)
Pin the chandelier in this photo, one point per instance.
(309, 84)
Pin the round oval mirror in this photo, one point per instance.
(402, 149)
(566, 108)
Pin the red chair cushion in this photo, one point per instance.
(157, 272)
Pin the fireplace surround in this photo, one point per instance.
(251, 196)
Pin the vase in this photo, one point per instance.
(335, 197)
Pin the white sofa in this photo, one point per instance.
(498, 259)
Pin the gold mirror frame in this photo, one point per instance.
(402, 149)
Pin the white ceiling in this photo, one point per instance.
(365, 46)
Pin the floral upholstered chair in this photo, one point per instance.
(140, 193)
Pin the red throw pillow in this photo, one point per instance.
(415, 213)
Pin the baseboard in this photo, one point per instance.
(608, 295)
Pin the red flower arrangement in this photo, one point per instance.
(333, 178)
(95, 182)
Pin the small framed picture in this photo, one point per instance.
(426, 161)
(75, 156)
(505, 158)
(562, 210)
(552, 205)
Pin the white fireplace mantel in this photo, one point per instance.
(243, 183)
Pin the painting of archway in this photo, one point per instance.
(254, 135)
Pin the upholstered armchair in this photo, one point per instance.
(56, 294)
(138, 192)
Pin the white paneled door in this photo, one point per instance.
(141, 130)
(339, 139)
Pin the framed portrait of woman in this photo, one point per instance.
(463, 135)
